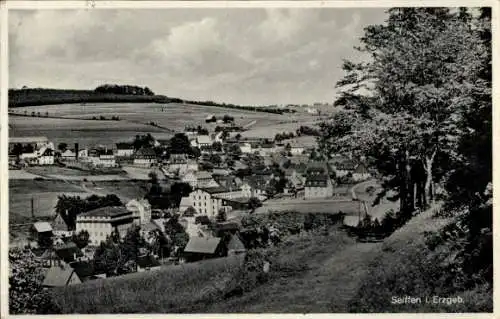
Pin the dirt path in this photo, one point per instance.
(327, 288)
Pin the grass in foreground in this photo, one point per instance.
(162, 291)
(211, 286)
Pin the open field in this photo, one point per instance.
(45, 194)
(55, 170)
(84, 132)
(261, 130)
(134, 118)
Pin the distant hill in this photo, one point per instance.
(114, 93)
(40, 96)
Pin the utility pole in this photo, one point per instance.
(32, 208)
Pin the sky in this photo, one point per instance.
(250, 56)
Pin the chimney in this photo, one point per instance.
(76, 151)
(74, 256)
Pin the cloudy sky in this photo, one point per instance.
(244, 56)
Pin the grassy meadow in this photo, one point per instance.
(168, 290)
(299, 281)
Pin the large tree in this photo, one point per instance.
(405, 102)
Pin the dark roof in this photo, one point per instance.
(124, 146)
(109, 211)
(147, 261)
(215, 190)
(68, 251)
(58, 276)
(346, 166)
(83, 269)
(202, 245)
(317, 181)
(142, 152)
(48, 152)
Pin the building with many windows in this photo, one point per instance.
(101, 222)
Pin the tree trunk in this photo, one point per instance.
(429, 161)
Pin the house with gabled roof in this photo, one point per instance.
(318, 186)
(124, 149)
(235, 246)
(60, 276)
(145, 157)
(199, 248)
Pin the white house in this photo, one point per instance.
(205, 203)
(246, 148)
(318, 186)
(46, 157)
(102, 157)
(141, 210)
(124, 149)
(145, 157)
(101, 222)
(68, 155)
(203, 141)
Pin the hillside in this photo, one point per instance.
(32, 97)
(311, 272)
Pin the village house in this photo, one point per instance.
(344, 168)
(68, 155)
(318, 186)
(41, 231)
(199, 248)
(141, 211)
(235, 246)
(68, 252)
(86, 271)
(204, 179)
(60, 228)
(145, 157)
(46, 157)
(361, 173)
(124, 150)
(246, 148)
(147, 263)
(202, 141)
(60, 276)
(102, 157)
(101, 222)
(204, 201)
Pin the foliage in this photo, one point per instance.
(179, 144)
(221, 215)
(143, 141)
(123, 89)
(176, 232)
(70, 206)
(81, 239)
(39, 96)
(26, 294)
